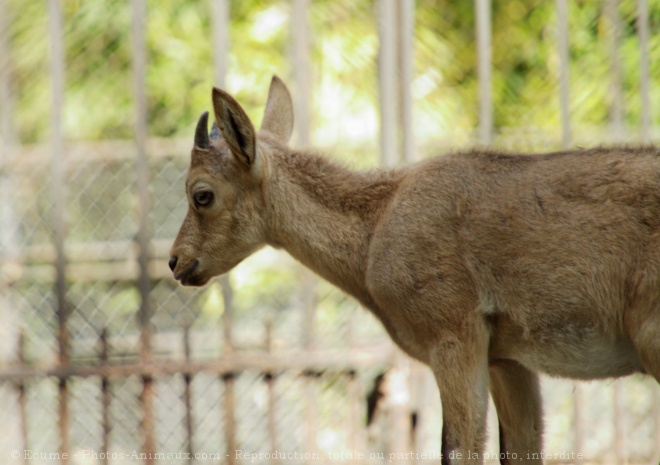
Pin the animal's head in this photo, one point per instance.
(228, 168)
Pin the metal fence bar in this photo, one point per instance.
(57, 70)
(142, 171)
(139, 63)
(220, 11)
(22, 397)
(269, 378)
(655, 411)
(355, 395)
(562, 46)
(230, 416)
(357, 440)
(9, 248)
(302, 107)
(645, 136)
(7, 137)
(406, 50)
(387, 80)
(231, 362)
(308, 341)
(618, 125)
(398, 419)
(644, 77)
(187, 393)
(220, 31)
(6, 129)
(578, 418)
(105, 398)
(616, 72)
(619, 442)
(10, 335)
(484, 71)
(229, 376)
(300, 44)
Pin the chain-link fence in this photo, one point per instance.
(104, 358)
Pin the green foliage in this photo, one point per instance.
(100, 86)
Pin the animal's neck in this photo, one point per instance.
(324, 215)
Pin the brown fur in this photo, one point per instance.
(486, 266)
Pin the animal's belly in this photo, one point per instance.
(599, 359)
(571, 352)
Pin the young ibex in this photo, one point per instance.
(485, 266)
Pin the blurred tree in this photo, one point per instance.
(344, 46)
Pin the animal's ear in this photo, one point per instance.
(278, 116)
(235, 126)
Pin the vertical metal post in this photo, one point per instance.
(220, 13)
(229, 378)
(644, 79)
(142, 170)
(270, 386)
(562, 46)
(406, 47)
(564, 105)
(22, 397)
(57, 66)
(10, 336)
(399, 419)
(6, 103)
(619, 422)
(308, 337)
(139, 58)
(616, 83)
(655, 410)
(187, 393)
(643, 32)
(428, 399)
(387, 80)
(301, 71)
(618, 126)
(578, 417)
(105, 399)
(356, 431)
(9, 248)
(302, 108)
(484, 71)
(300, 42)
(220, 31)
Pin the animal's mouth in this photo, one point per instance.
(190, 276)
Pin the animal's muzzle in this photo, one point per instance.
(186, 276)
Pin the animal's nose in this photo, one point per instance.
(172, 263)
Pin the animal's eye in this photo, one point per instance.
(203, 198)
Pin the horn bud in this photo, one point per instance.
(201, 133)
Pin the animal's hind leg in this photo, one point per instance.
(460, 365)
(516, 395)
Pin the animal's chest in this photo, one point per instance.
(578, 351)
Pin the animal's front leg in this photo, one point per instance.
(459, 360)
